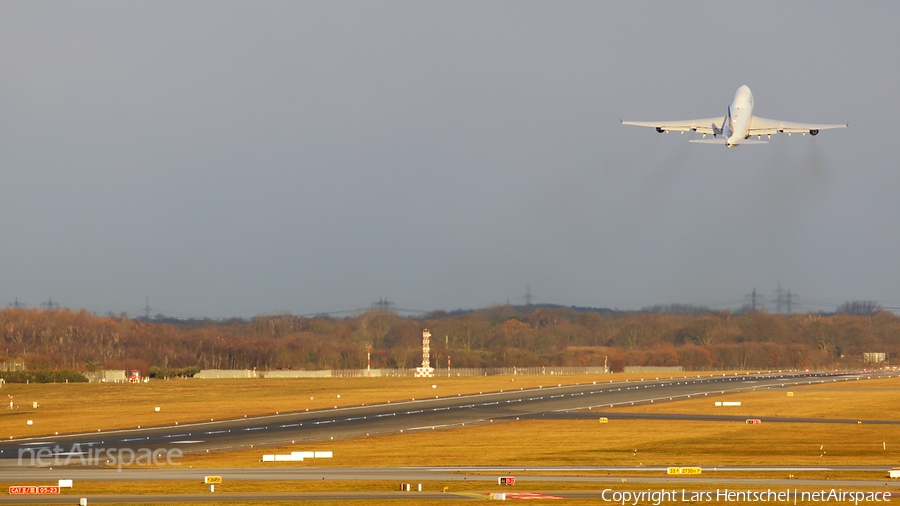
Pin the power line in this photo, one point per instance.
(756, 300)
(50, 305)
(383, 303)
(785, 300)
(790, 302)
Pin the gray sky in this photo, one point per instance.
(232, 158)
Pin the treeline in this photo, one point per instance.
(181, 372)
(500, 336)
(43, 376)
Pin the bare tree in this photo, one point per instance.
(859, 307)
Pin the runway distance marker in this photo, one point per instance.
(683, 470)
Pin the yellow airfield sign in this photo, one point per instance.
(683, 470)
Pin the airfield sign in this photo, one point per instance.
(30, 489)
(683, 470)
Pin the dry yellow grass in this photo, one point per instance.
(198, 487)
(589, 443)
(409, 502)
(83, 407)
(461, 502)
(466, 490)
(852, 400)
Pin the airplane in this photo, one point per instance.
(737, 126)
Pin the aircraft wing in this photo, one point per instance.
(763, 126)
(704, 126)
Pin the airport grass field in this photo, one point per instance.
(652, 442)
(453, 489)
(873, 399)
(621, 442)
(589, 443)
(87, 407)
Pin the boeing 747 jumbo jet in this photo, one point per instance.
(737, 126)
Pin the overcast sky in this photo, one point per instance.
(234, 158)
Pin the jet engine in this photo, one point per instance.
(814, 131)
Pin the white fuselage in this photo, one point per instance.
(737, 121)
(737, 125)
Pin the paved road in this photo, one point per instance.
(393, 418)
